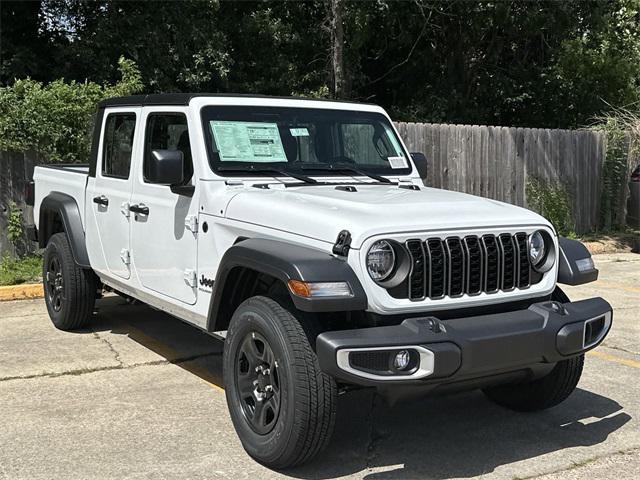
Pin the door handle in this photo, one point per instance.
(101, 200)
(140, 209)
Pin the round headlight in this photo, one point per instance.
(380, 260)
(537, 249)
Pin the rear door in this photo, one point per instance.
(164, 240)
(109, 195)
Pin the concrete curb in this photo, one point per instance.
(21, 292)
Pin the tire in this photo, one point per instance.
(545, 392)
(291, 422)
(69, 291)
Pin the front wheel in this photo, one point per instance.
(281, 404)
(542, 393)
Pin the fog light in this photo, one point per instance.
(401, 360)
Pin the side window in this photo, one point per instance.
(118, 144)
(168, 131)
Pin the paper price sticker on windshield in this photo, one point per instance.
(397, 162)
(299, 132)
(248, 141)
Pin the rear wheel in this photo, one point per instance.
(69, 290)
(281, 404)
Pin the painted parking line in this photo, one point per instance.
(614, 358)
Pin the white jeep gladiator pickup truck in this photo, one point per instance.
(300, 231)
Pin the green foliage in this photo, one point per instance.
(552, 201)
(599, 68)
(534, 63)
(55, 119)
(14, 271)
(622, 130)
(15, 229)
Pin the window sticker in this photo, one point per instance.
(397, 162)
(248, 141)
(299, 132)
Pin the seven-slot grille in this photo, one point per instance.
(455, 266)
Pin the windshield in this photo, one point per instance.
(318, 141)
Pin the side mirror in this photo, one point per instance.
(421, 163)
(166, 167)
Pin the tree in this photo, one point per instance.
(22, 46)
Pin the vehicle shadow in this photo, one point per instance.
(461, 435)
(457, 436)
(173, 340)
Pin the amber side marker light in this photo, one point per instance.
(320, 289)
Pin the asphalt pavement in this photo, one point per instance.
(139, 395)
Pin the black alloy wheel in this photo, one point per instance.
(257, 383)
(54, 283)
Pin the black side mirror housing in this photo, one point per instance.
(421, 163)
(166, 167)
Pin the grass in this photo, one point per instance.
(14, 271)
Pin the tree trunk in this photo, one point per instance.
(337, 48)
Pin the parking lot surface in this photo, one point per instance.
(139, 395)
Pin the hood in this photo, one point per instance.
(321, 212)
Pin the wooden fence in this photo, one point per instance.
(16, 169)
(497, 162)
(493, 162)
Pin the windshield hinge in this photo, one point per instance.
(124, 209)
(343, 243)
(125, 256)
(191, 222)
(190, 277)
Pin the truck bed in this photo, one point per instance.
(70, 179)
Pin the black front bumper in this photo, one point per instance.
(472, 347)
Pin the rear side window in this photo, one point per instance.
(168, 131)
(118, 144)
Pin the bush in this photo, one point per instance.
(55, 119)
(552, 201)
(622, 130)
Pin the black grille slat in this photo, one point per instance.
(437, 268)
(474, 259)
(491, 264)
(456, 267)
(509, 264)
(524, 271)
(417, 277)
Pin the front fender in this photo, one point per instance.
(572, 269)
(285, 261)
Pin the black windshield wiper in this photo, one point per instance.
(345, 167)
(253, 169)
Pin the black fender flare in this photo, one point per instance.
(67, 208)
(569, 273)
(286, 261)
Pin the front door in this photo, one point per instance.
(109, 198)
(164, 236)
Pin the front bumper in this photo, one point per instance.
(465, 348)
